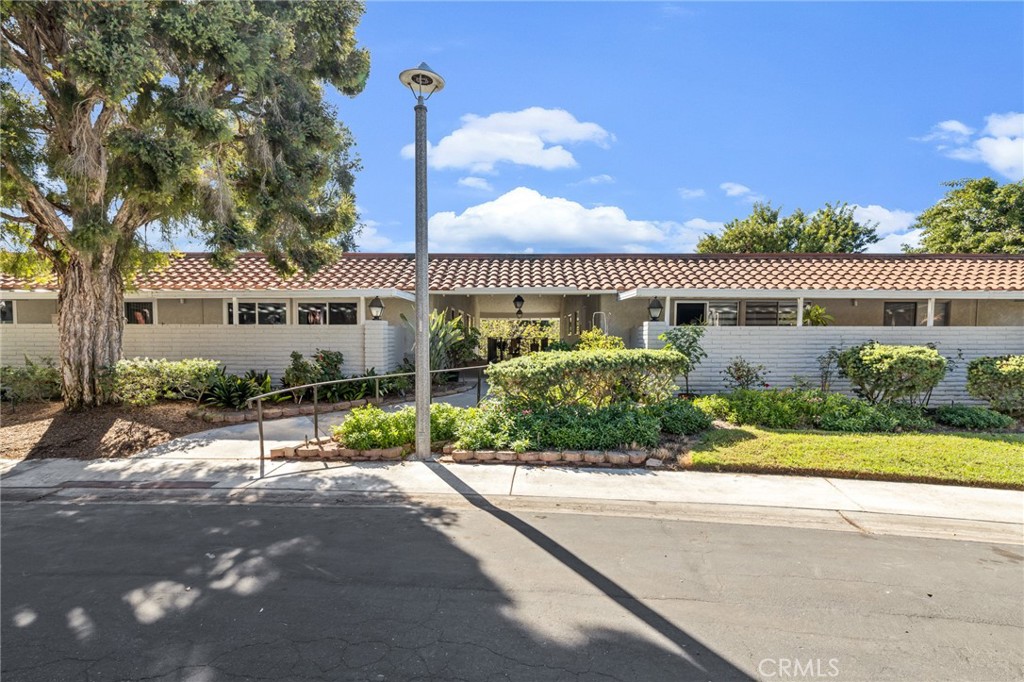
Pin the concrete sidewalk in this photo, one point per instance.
(225, 461)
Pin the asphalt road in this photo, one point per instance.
(188, 591)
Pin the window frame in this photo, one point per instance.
(228, 311)
(688, 301)
(151, 302)
(14, 311)
(326, 304)
(913, 314)
(778, 303)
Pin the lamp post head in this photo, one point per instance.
(376, 307)
(423, 81)
(655, 309)
(518, 302)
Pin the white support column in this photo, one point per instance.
(800, 311)
(361, 311)
(234, 309)
(931, 313)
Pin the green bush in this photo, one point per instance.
(679, 417)
(34, 382)
(582, 427)
(740, 374)
(685, 340)
(487, 427)
(325, 365)
(232, 391)
(793, 409)
(596, 339)
(714, 406)
(369, 427)
(973, 418)
(1000, 381)
(595, 377)
(882, 373)
(143, 381)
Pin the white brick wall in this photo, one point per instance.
(239, 347)
(789, 351)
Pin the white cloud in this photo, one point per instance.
(734, 189)
(894, 242)
(1005, 125)
(688, 193)
(703, 225)
(887, 221)
(531, 137)
(476, 183)
(603, 179)
(524, 220)
(370, 240)
(1000, 145)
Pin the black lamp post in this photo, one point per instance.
(376, 307)
(655, 309)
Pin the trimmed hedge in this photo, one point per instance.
(142, 381)
(591, 377)
(883, 373)
(1000, 381)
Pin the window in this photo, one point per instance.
(902, 314)
(327, 313)
(723, 313)
(266, 313)
(6, 312)
(341, 313)
(942, 313)
(138, 313)
(770, 314)
(690, 313)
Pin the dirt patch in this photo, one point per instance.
(45, 430)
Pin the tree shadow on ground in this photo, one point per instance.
(372, 592)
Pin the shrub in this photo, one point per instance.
(883, 373)
(851, 415)
(596, 377)
(741, 374)
(596, 339)
(1000, 381)
(486, 427)
(679, 417)
(685, 340)
(559, 345)
(325, 365)
(370, 427)
(583, 427)
(34, 382)
(974, 418)
(232, 391)
(143, 381)
(714, 406)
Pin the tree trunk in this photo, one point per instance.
(91, 322)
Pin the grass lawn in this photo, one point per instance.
(984, 459)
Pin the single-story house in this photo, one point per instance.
(753, 304)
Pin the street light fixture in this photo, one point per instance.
(376, 307)
(423, 82)
(655, 309)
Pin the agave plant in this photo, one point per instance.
(444, 335)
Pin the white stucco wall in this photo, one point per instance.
(240, 348)
(789, 351)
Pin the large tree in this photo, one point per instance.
(831, 229)
(975, 216)
(207, 116)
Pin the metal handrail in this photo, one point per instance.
(376, 394)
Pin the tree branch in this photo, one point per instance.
(16, 219)
(32, 70)
(38, 207)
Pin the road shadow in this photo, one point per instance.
(363, 592)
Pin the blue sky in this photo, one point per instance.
(588, 126)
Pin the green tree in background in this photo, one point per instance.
(207, 116)
(975, 216)
(831, 229)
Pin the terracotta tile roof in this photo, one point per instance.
(593, 272)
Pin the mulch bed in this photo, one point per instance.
(45, 430)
